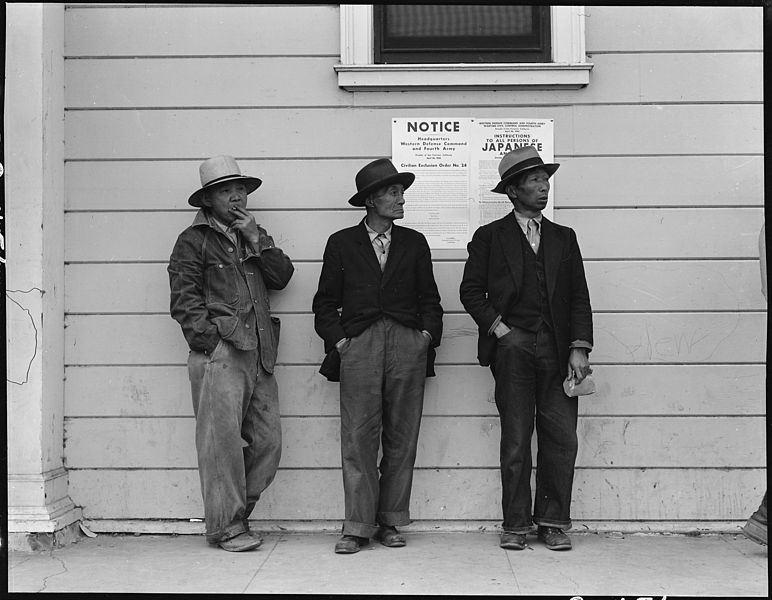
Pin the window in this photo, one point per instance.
(461, 33)
(562, 65)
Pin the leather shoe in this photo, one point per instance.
(255, 536)
(242, 542)
(390, 537)
(350, 544)
(554, 538)
(512, 541)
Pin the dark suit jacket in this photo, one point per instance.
(351, 280)
(493, 277)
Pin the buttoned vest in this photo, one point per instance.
(531, 308)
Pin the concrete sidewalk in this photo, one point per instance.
(614, 564)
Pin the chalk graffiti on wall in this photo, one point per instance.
(22, 334)
(23, 340)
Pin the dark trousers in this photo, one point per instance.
(238, 435)
(529, 384)
(382, 377)
(761, 512)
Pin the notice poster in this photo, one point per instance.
(491, 140)
(455, 161)
(438, 203)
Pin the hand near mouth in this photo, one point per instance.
(245, 222)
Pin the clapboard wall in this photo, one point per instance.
(661, 177)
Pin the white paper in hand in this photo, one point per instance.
(585, 388)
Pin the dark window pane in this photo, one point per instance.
(427, 20)
(461, 33)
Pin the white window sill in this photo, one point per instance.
(398, 77)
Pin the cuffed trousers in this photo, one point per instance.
(529, 383)
(238, 435)
(382, 377)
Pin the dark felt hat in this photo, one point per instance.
(377, 174)
(517, 161)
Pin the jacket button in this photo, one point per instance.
(220, 266)
(247, 326)
(230, 249)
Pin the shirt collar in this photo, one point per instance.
(202, 217)
(374, 234)
(522, 220)
(215, 223)
(205, 217)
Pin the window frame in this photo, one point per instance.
(423, 50)
(357, 70)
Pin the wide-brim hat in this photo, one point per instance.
(517, 161)
(219, 169)
(377, 174)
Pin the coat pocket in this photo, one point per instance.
(275, 330)
(221, 282)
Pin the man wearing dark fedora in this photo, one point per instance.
(378, 311)
(219, 273)
(525, 287)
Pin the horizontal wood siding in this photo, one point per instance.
(604, 233)
(661, 176)
(641, 285)
(314, 442)
(722, 180)
(294, 132)
(195, 31)
(313, 494)
(145, 30)
(458, 390)
(642, 338)
(619, 78)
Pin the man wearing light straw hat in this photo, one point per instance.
(524, 285)
(220, 271)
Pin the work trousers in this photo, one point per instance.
(529, 382)
(238, 435)
(382, 377)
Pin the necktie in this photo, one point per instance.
(382, 245)
(533, 235)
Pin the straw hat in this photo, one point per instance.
(217, 170)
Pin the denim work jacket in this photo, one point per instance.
(219, 290)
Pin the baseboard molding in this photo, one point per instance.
(196, 527)
(41, 541)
